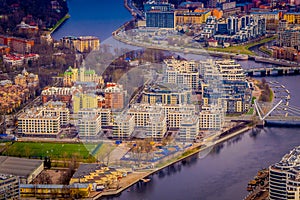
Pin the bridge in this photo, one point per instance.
(273, 71)
(283, 113)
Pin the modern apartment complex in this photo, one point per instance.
(123, 126)
(166, 94)
(89, 124)
(45, 121)
(38, 124)
(284, 177)
(182, 73)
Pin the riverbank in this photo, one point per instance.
(59, 23)
(243, 49)
(193, 150)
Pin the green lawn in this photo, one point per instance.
(54, 150)
(242, 49)
(67, 16)
(250, 112)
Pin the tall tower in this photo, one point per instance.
(82, 71)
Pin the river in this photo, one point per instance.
(224, 173)
(93, 17)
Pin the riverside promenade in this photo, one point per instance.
(196, 148)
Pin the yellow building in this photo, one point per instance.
(70, 76)
(27, 79)
(87, 44)
(84, 100)
(76, 190)
(37, 123)
(292, 18)
(192, 17)
(97, 173)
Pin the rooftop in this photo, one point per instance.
(21, 167)
(86, 169)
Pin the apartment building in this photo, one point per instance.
(284, 177)
(38, 124)
(211, 118)
(9, 187)
(166, 94)
(189, 128)
(182, 73)
(83, 44)
(89, 125)
(123, 126)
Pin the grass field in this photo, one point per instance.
(242, 49)
(54, 150)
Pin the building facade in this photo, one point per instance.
(284, 179)
(89, 125)
(159, 19)
(38, 124)
(9, 187)
(123, 126)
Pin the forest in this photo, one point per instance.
(42, 13)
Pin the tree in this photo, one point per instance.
(44, 178)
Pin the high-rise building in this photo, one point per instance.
(159, 19)
(284, 177)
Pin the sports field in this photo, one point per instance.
(53, 150)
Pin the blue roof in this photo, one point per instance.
(243, 4)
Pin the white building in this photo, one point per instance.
(123, 126)
(105, 114)
(143, 112)
(38, 124)
(189, 128)
(284, 177)
(182, 73)
(156, 127)
(230, 70)
(57, 108)
(211, 118)
(89, 125)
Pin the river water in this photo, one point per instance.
(224, 173)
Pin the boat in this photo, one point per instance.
(241, 57)
(145, 180)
